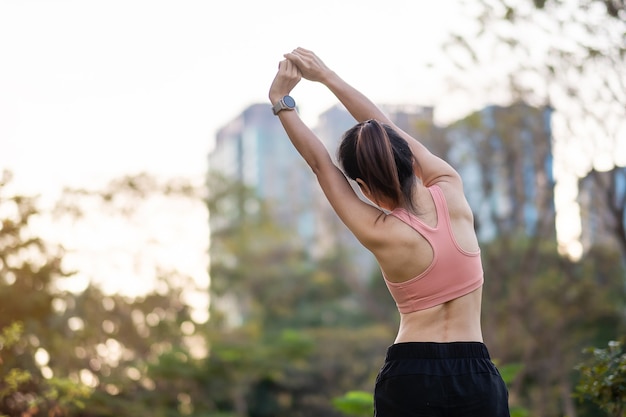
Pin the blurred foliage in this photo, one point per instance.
(535, 316)
(603, 378)
(26, 394)
(355, 403)
(299, 314)
(509, 372)
(289, 352)
(614, 8)
(28, 267)
(549, 53)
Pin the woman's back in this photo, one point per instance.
(432, 267)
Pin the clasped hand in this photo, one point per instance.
(286, 79)
(297, 64)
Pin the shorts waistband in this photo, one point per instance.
(434, 350)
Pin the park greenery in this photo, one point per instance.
(302, 343)
(290, 334)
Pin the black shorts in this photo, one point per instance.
(424, 379)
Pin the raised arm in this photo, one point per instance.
(360, 217)
(430, 169)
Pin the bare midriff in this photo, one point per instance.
(457, 320)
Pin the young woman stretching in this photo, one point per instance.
(421, 232)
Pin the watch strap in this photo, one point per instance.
(280, 105)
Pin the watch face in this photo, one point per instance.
(289, 102)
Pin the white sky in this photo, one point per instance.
(90, 89)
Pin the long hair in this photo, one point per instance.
(378, 155)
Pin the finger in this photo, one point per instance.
(289, 68)
(304, 53)
(293, 69)
(282, 65)
(293, 57)
(301, 52)
(288, 65)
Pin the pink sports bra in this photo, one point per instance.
(453, 271)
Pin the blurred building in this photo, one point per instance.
(331, 233)
(602, 201)
(254, 150)
(504, 155)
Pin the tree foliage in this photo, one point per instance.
(550, 53)
(355, 403)
(603, 378)
(614, 8)
(533, 315)
(287, 305)
(286, 336)
(29, 384)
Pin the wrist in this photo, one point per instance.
(328, 77)
(275, 98)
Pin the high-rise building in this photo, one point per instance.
(254, 150)
(504, 155)
(602, 199)
(331, 233)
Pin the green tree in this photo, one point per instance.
(286, 328)
(549, 53)
(25, 394)
(134, 356)
(534, 315)
(613, 8)
(143, 355)
(29, 382)
(355, 403)
(603, 378)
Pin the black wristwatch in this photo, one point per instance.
(285, 103)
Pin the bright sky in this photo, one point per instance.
(91, 89)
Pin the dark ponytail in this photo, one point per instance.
(379, 156)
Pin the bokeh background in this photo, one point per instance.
(118, 296)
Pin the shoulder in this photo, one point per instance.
(390, 238)
(382, 231)
(454, 195)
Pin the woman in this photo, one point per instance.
(420, 229)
